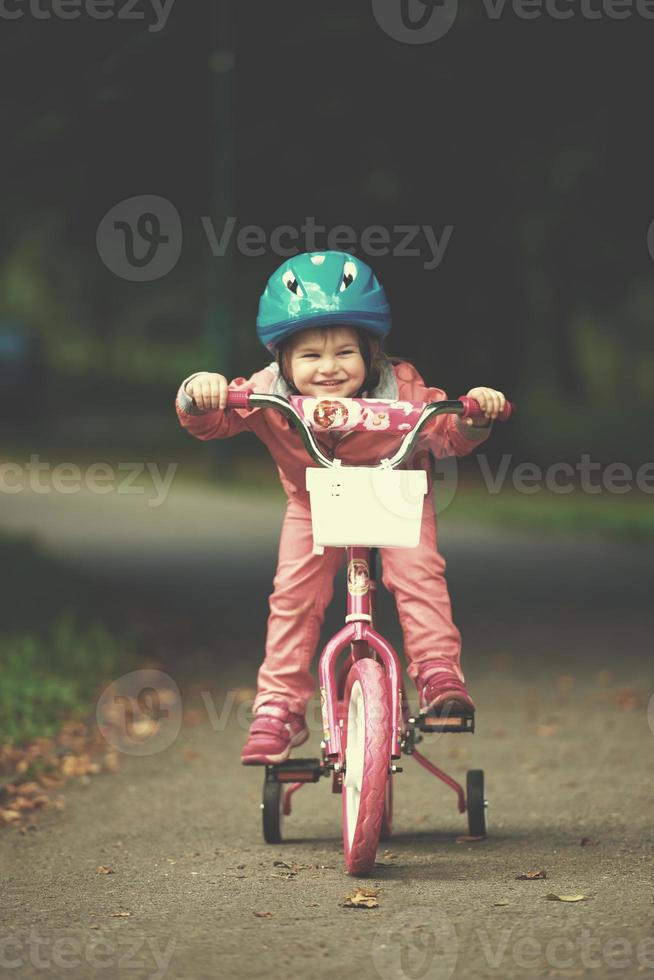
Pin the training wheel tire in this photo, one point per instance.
(272, 811)
(476, 803)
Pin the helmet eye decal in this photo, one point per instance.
(292, 284)
(349, 275)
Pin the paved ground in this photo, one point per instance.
(558, 642)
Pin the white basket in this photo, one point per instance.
(359, 505)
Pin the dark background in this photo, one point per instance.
(532, 138)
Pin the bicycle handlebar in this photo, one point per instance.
(325, 413)
(472, 409)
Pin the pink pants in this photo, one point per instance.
(303, 588)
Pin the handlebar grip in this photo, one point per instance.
(472, 409)
(238, 399)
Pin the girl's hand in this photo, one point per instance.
(208, 391)
(490, 401)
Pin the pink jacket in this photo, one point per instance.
(444, 436)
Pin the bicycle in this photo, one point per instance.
(367, 724)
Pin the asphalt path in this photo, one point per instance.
(557, 652)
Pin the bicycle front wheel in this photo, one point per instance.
(366, 736)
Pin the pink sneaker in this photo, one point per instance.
(441, 690)
(273, 733)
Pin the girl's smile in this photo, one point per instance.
(327, 360)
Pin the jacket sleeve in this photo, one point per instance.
(220, 424)
(448, 435)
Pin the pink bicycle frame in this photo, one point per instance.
(358, 632)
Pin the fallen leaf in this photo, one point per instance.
(104, 870)
(281, 864)
(565, 898)
(111, 761)
(30, 789)
(193, 717)
(361, 899)
(503, 902)
(531, 876)
(263, 915)
(466, 839)
(8, 816)
(243, 694)
(49, 782)
(74, 728)
(628, 700)
(78, 765)
(547, 729)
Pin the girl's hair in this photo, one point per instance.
(372, 352)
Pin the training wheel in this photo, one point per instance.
(476, 803)
(272, 811)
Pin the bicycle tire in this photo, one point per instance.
(367, 759)
(387, 819)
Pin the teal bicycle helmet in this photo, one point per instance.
(321, 289)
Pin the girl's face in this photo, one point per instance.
(327, 362)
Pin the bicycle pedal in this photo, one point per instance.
(453, 723)
(296, 771)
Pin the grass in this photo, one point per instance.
(56, 645)
(629, 516)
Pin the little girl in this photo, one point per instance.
(324, 316)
